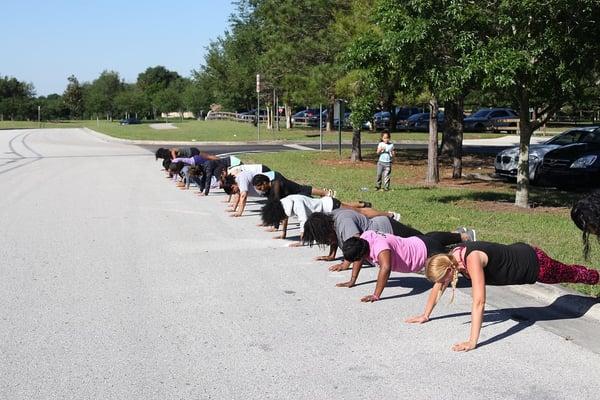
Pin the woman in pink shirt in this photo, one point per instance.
(390, 253)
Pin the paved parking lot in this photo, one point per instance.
(116, 285)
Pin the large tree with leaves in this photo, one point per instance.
(15, 99)
(544, 55)
(73, 97)
(426, 45)
(102, 92)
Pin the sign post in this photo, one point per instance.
(339, 111)
(258, 105)
(320, 126)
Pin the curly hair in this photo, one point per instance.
(196, 170)
(355, 249)
(163, 153)
(586, 216)
(260, 178)
(176, 167)
(272, 213)
(320, 228)
(228, 183)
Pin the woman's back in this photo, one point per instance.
(512, 264)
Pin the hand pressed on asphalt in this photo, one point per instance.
(464, 346)
(419, 319)
(348, 284)
(338, 267)
(368, 299)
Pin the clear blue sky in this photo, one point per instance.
(45, 41)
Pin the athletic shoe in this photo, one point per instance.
(330, 192)
(396, 216)
(366, 204)
(461, 229)
(471, 234)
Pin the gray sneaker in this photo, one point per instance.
(461, 229)
(471, 234)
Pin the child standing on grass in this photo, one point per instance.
(385, 150)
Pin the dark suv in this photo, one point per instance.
(130, 121)
(487, 119)
(573, 165)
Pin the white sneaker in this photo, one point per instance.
(395, 216)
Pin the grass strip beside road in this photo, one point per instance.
(486, 207)
(219, 131)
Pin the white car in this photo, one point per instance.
(506, 161)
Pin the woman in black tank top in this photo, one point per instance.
(495, 264)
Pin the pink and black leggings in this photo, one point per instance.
(552, 271)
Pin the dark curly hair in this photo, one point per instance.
(355, 249)
(586, 216)
(176, 168)
(166, 163)
(260, 178)
(320, 228)
(272, 213)
(228, 182)
(163, 153)
(196, 170)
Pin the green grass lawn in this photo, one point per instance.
(486, 208)
(219, 131)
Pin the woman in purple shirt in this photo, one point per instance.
(390, 253)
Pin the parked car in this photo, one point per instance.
(251, 114)
(506, 161)
(573, 165)
(310, 117)
(420, 122)
(130, 121)
(336, 119)
(382, 118)
(486, 119)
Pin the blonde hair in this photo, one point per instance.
(437, 267)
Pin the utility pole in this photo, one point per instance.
(40, 116)
(258, 105)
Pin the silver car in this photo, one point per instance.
(506, 161)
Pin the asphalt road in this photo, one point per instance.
(116, 285)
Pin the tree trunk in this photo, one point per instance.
(453, 135)
(329, 125)
(433, 175)
(269, 117)
(288, 116)
(356, 148)
(393, 119)
(522, 195)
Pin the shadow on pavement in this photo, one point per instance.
(560, 309)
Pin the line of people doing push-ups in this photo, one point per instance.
(367, 235)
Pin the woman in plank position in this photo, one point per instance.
(391, 253)
(486, 263)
